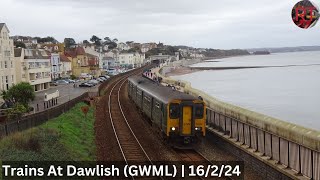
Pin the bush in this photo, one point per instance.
(73, 77)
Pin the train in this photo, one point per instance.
(179, 118)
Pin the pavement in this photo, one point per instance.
(67, 92)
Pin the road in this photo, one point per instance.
(67, 92)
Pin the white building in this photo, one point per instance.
(34, 66)
(7, 63)
(108, 62)
(90, 50)
(123, 46)
(55, 66)
(66, 70)
(131, 59)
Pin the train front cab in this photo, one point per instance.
(186, 122)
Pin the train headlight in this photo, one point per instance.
(198, 128)
(173, 129)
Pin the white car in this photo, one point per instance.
(94, 82)
(62, 82)
(100, 80)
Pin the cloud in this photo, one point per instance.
(202, 23)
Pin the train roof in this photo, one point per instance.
(162, 93)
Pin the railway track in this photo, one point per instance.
(129, 145)
(194, 157)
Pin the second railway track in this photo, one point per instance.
(129, 145)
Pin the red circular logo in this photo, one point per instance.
(305, 14)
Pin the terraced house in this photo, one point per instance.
(7, 63)
(79, 61)
(83, 63)
(33, 66)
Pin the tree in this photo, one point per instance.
(21, 93)
(46, 39)
(112, 45)
(19, 44)
(16, 112)
(86, 42)
(68, 42)
(115, 40)
(96, 40)
(107, 40)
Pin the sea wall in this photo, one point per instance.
(303, 136)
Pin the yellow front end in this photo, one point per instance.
(188, 113)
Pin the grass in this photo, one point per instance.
(69, 137)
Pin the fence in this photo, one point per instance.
(303, 160)
(293, 146)
(39, 118)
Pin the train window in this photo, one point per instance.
(174, 111)
(139, 92)
(157, 105)
(199, 111)
(147, 98)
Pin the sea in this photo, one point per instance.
(287, 86)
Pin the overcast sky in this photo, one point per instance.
(200, 23)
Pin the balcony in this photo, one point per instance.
(39, 69)
(40, 81)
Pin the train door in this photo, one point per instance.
(186, 120)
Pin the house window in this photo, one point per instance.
(5, 64)
(12, 79)
(11, 64)
(7, 82)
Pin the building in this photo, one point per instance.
(53, 48)
(91, 50)
(55, 64)
(30, 42)
(147, 47)
(93, 62)
(34, 65)
(109, 62)
(66, 70)
(164, 58)
(79, 61)
(131, 60)
(7, 63)
(123, 46)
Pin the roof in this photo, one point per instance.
(35, 54)
(75, 52)
(2, 25)
(160, 92)
(80, 51)
(64, 58)
(108, 58)
(91, 56)
(17, 52)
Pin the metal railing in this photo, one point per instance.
(304, 161)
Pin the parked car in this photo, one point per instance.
(85, 84)
(70, 80)
(62, 82)
(53, 83)
(103, 78)
(100, 80)
(94, 82)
